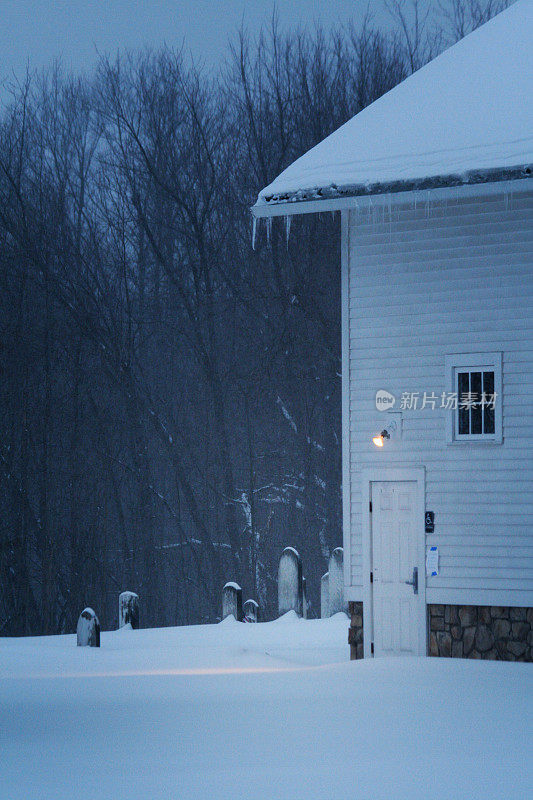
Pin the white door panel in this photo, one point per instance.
(396, 607)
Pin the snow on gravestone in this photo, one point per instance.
(232, 601)
(128, 610)
(324, 596)
(290, 588)
(88, 630)
(304, 598)
(336, 582)
(251, 611)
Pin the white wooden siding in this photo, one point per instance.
(421, 282)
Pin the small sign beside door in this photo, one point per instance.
(430, 521)
(432, 561)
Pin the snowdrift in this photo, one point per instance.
(273, 710)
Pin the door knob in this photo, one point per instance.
(414, 582)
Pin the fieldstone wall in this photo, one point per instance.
(486, 632)
(355, 631)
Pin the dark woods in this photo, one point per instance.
(170, 399)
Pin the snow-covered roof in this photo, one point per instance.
(465, 117)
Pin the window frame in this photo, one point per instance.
(474, 362)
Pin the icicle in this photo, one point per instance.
(332, 215)
(288, 219)
(254, 231)
(269, 229)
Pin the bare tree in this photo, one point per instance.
(170, 397)
(463, 16)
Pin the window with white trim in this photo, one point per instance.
(474, 385)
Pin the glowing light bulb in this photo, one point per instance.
(378, 440)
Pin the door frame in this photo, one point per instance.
(377, 475)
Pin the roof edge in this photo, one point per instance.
(334, 198)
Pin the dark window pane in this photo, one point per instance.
(476, 414)
(488, 410)
(463, 388)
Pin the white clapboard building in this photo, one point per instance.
(433, 182)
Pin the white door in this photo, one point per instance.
(398, 605)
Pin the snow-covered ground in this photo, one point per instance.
(273, 710)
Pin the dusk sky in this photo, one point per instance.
(36, 32)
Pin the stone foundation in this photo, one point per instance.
(486, 632)
(355, 631)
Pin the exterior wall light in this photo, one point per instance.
(378, 440)
(393, 430)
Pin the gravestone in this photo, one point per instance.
(304, 598)
(290, 584)
(88, 630)
(232, 601)
(336, 582)
(324, 596)
(251, 611)
(128, 610)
